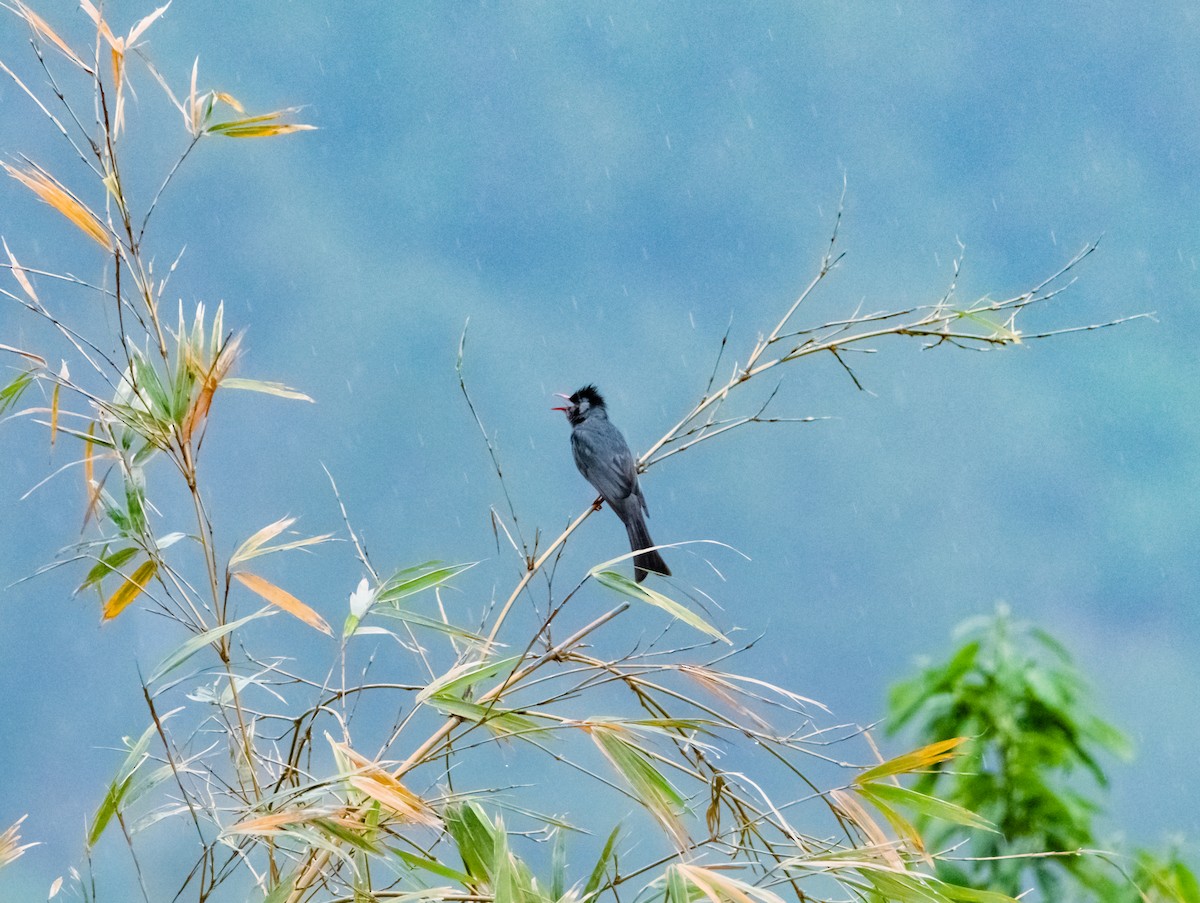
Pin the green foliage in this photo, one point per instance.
(1032, 768)
(1158, 879)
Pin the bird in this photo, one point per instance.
(603, 457)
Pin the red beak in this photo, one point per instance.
(560, 395)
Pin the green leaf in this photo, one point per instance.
(650, 786)
(417, 620)
(150, 389)
(607, 856)
(11, 393)
(929, 806)
(505, 880)
(558, 865)
(107, 564)
(281, 891)
(1185, 883)
(627, 587)
(433, 866)
(475, 838)
(346, 835)
(961, 894)
(413, 580)
(460, 678)
(678, 888)
(119, 787)
(199, 641)
(500, 721)
(135, 507)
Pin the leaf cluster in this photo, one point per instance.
(1033, 765)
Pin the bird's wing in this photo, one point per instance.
(606, 464)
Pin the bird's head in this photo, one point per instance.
(582, 404)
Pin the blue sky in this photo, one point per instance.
(602, 188)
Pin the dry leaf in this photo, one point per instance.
(282, 599)
(54, 194)
(38, 24)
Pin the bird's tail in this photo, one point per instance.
(639, 538)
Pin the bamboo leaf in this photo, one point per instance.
(475, 838)
(607, 856)
(199, 641)
(250, 547)
(502, 722)
(107, 565)
(273, 822)
(283, 890)
(381, 785)
(258, 385)
(460, 678)
(418, 620)
(677, 888)
(129, 590)
(558, 865)
(11, 393)
(11, 848)
(650, 787)
(54, 194)
(38, 24)
(281, 598)
(386, 790)
(913, 761)
(18, 272)
(137, 30)
(353, 834)
(627, 587)
(54, 413)
(120, 785)
(411, 581)
(720, 888)
(926, 805)
(260, 126)
(433, 866)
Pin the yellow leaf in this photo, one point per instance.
(129, 590)
(89, 470)
(266, 130)
(54, 414)
(63, 376)
(379, 784)
(38, 24)
(229, 99)
(89, 474)
(282, 599)
(913, 761)
(61, 200)
(18, 272)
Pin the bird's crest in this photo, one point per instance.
(589, 394)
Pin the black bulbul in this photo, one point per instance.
(603, 457)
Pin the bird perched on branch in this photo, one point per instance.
(603, 457)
